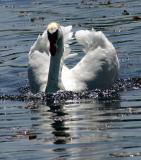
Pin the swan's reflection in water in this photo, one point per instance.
(76, 130)
(88, 130)
(61, 134)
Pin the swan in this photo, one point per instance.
(46, 69)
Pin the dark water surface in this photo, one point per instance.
(89, 130)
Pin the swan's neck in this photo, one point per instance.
(55, 69)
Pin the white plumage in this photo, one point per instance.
(97, 69)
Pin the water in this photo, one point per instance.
(76, 129)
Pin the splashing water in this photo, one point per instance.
(63, 96)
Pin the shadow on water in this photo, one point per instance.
(60, 129)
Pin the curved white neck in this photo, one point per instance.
(55, 69)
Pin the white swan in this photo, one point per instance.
(47, 72)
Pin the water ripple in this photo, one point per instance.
(68, 125)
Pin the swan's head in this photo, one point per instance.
(54, 34)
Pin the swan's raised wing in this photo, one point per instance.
(39, 59)
(98, 68)
(67, 34)
(38, 63)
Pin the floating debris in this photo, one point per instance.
(136, 18)
(125, 12)
(32, 136)
(125, 154)
(37, 3)
(33, 19)
(108, 2)
(23, 13)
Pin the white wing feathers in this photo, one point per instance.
(97, 69)
(91, 39)
(67, 40)
(41, 44)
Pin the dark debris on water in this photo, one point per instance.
(62, 96)
(125, 154)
